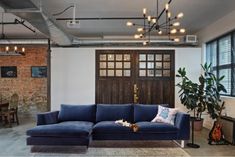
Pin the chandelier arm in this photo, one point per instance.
(165, 23)
(159, 16)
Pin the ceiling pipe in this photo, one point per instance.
(24, 41)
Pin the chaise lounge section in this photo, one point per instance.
(79, 124)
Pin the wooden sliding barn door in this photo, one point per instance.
(135, 76)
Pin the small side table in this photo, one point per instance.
(192, 144)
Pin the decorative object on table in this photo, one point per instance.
(9, 71)
(203, 96)
(163, 23)
(134, 127)
(39, 71)
(165, 115)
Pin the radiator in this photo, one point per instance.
(228, 128)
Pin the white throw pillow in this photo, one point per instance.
(165, 115)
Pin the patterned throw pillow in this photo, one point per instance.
(165, 115)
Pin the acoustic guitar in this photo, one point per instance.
(216, 135)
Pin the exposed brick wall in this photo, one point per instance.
(32, 92)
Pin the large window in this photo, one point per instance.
(220, 52)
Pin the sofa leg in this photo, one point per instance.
(181, 143)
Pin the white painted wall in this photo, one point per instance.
(72, 76)
(73, 73)
(216, 29)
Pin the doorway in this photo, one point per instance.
(135, 76)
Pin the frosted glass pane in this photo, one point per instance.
(127, 65)
(127, 57)
(166, 72)
(142, 73)
(167, 57)
(110, 57)
(150, 65)
(110, 72)
(150, 57)
(142, 57)
(118, 57)
(103, 57)
(119, 65)
(102, 72)
(158, 73)
(166, 65)
(118, 72)
(150, 73)
(110, 65)
(142, 65)
(127, 73)
(158, 65)
(158, 57)
(102, 65)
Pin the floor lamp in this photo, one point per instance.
(192, 144)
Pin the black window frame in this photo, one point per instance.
(230, 66)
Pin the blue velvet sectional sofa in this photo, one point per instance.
(79, 124)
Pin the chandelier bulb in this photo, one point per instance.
(169, 14)
(129, 23)
(136, 36)
(149, 18)
(180, 15)
(159, 32)
(140, 29)
(167, 6)
(176, 40)
(7, 48)
(145, 43)
(182, 30)
(173, 31)
(15, 48)
(144, 11)
(23, 49)
(154, 20)
(176, 24)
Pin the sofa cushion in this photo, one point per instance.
(114, 112)
(110, 127)
(77, 113)
(144, 112)
(165, 115)
(150, 127)
(63, 129)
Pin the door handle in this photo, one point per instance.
(136, 97)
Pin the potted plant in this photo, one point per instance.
(201, 96)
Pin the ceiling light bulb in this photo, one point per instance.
(154, 20)
(136, 36)
(167, 6)
(180, 15)
(173, 31)
(149, 18)
(176, 40)
(15, 48)
(140, 29)
(144, 11)
(182, 30)
(176, 24)
(159, 32)
(169, 14)
(7, 48)
(23, 49)
(129, 23)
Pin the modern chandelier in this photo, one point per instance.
(158, 25)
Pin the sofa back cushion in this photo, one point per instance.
(112, 112)
(77, 113)
(146, 112)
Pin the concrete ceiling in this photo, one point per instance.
(198, 14)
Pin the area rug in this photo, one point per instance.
(110, 152)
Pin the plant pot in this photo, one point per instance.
(198, 124)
